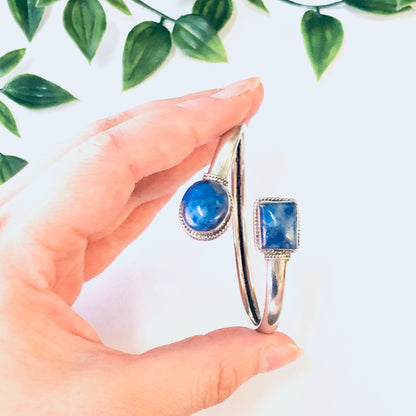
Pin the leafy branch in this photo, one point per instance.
(149, 43)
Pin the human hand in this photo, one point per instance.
(64, 225)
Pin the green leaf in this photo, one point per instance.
(381, 6)
(35, 92)
(120, 5)
(7, 119)
(404, 3)
(9, 166)
(10, 60)
(196, 38)
(259, 4)
(147, 46)
(85, 23)
(44, 3)
(215, 12)
(27, 15)
(323, 38)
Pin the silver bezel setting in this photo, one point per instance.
(273, 253)
(216, 178)
(222, 227)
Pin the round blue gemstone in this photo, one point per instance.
(205, 205)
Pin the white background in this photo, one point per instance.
(343, 147)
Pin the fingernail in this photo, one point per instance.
(238, 88)
(276, 357)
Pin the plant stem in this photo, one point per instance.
(311, 6)
(146, 6)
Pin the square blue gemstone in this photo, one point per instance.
(278, 225)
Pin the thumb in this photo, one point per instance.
(199, 372)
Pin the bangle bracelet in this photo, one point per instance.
(208, 207)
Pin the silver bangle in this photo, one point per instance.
(208, 207)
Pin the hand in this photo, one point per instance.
(64, 225)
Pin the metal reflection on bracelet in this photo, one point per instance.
(208, 207)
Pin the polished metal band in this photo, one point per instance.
(230, 154)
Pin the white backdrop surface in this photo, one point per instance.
(343, 147)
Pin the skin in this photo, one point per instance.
(64, 222)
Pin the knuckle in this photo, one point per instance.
(99, 126)
(102, 144)
(218, 384)
(107, 147)
(182, 126)
(106, 123)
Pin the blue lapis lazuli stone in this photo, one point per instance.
(278, 225)
(205, 205)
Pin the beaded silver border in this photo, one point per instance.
(216, 178)
(222, 227)
(273, 253)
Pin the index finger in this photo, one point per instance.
(28, 175)
(161, 138)
(87, 188)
